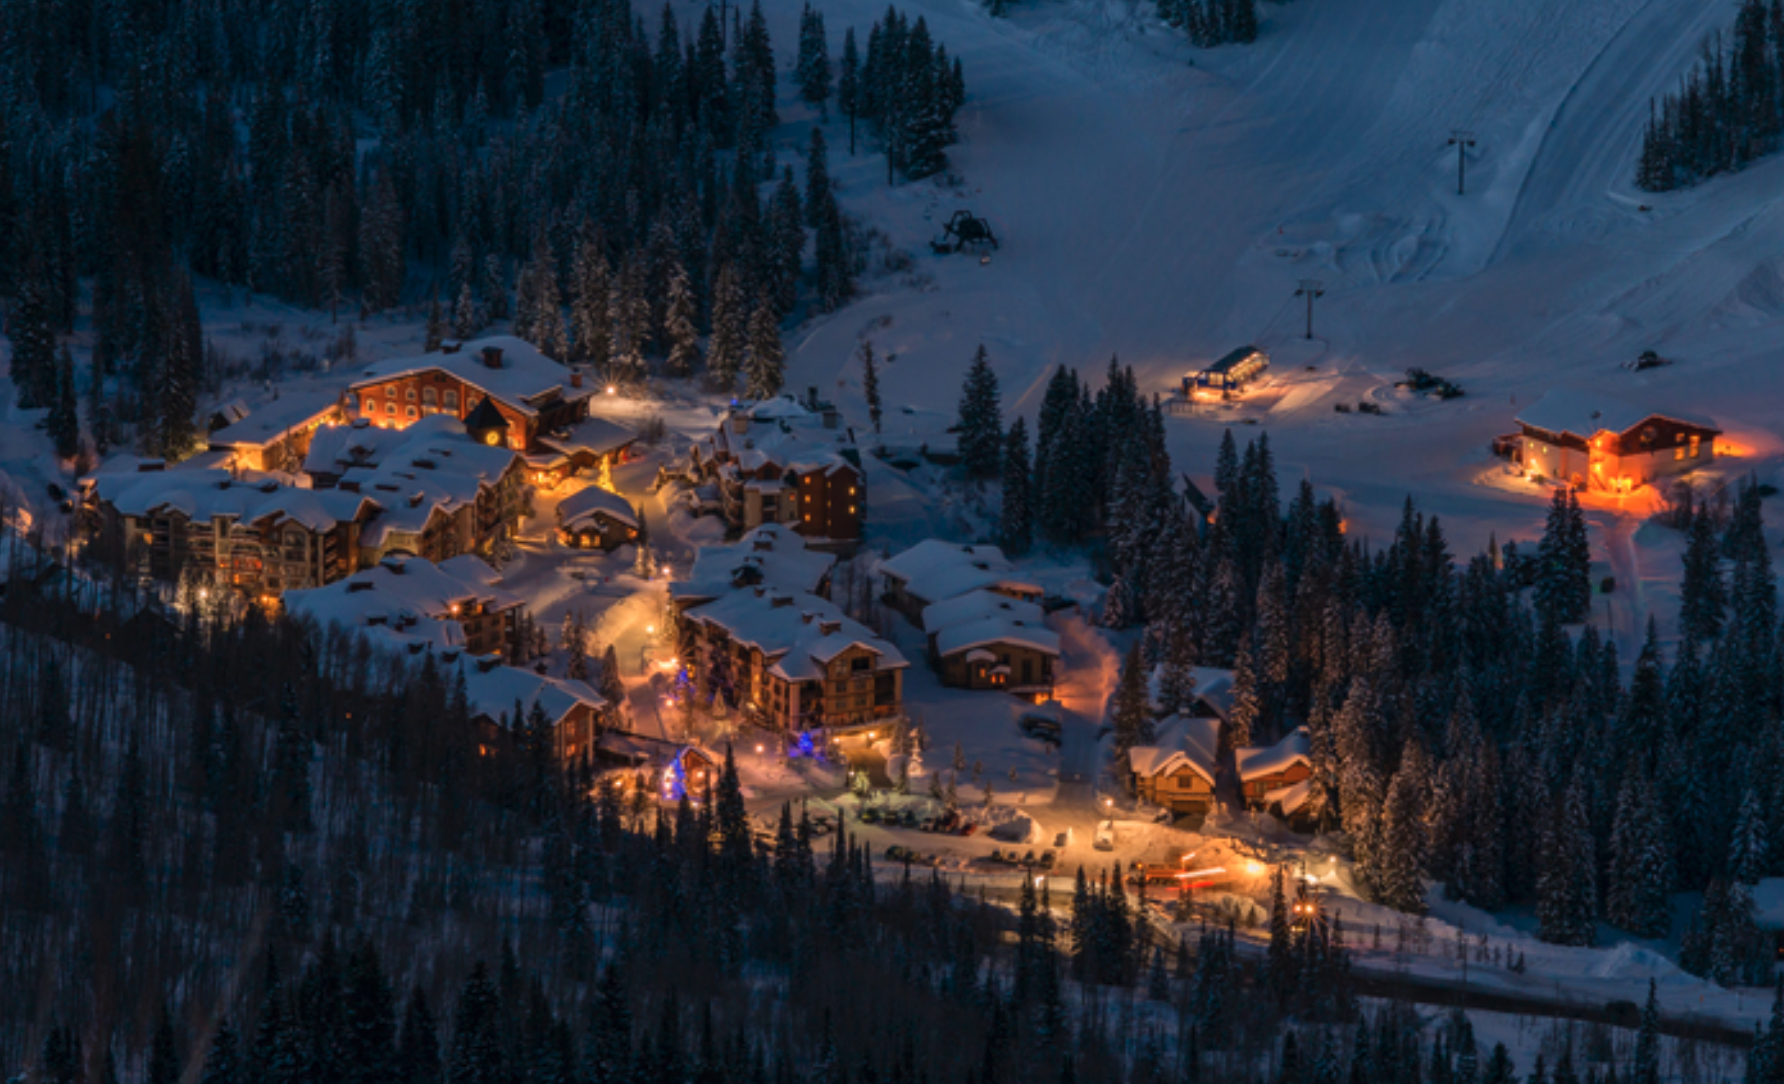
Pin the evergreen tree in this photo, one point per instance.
(1566, 876)
(33, 342)
(1399, 880)
(1132, 720)
(764, 365)
(812, 69)
(435, 332)
(870, 382)
(820, 199)
(1701, 592)
(684, 345)
(64, 420)
(1639, 882)
(980, 426)
(590, 327)
(848, 83)
(1015, 526)
(730, 314)
(466, 320)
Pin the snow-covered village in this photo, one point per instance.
(941, 542)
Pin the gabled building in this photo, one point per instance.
(768, 556)
(441, 491)
(461, 600)
(984, 640)
(250, 532)
(790, 661)
(1279, 776)
(933, 571)
(535, 395)
(1591, 441)
(782, 461)
(1178, 770)
(596, 518)
(275, 436)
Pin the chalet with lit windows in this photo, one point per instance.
(1181, 771)
(783, 461)
(662, 768)
(1178, 770)
(276, 436)
(574, 714)
(984, 640)
(596, 518)
(249, 532)
(771, 555)
(791, 661)
(592, 447)
(535, 396)
(442, 491)
(933, 571)
(1591, 441)
(459, 603)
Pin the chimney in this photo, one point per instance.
(450, 346)
(492, 357)
(760, 591)
(781, 601)
(486, 663)
(805, 617)
(358, 585)
(395, 564)
(830, 628)
(576, 378)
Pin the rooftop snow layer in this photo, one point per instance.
(1295, 748)
(400, 588)
(996, 630)
(591, 436)
(802, 631)
(978, 606)
(590, 501)
(1586, 413)
(771, 555)
(936, 571)
(204, 495)
(526, 375)
(272, 420)
(1180, 741)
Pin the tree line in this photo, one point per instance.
(337, 153)
(1469, 721)
(1728, 110)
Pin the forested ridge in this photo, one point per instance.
(610, 186)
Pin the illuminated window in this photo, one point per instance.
(409, 412)
(371, 407)
(390, 390)
(1694, 444)
(1679, 452)
(452, 400)
(390, 408)
(851, 509)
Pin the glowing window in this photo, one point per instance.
(1694, 446)
(390, 408)
(371, 407)
(390, 390)
(429, 395)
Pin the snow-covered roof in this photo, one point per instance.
(803, 632)
(1586, 413)
(494, 691)
(592, 436)
(1254, 763)
(996, 630)
(935, 571)
(526, 376)
(979, 606)
(1180, 741)
(592, 501)
(204, 495)
(275, 419)
(784, 433)
(437, 442)
(771, 555)
(399, 591)
(1291, 797)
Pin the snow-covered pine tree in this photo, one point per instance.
(1639, 882)
(547, 330)
(812, 69)
(923, 133)
(435, 333)
(730, 316)
(33, 342)
(494, 288)
(787, 250)
(381, 245)
(678, 325)
(848, 83)
(764, 364)
(1747, 847)
(1015, 525)
(1400, 860)
(64, 422)
(1132, 721)
(465, 316)
(1242, 720)
(980, 425)
(1702, 594)
(870, 382)
(835, 262)
(1566, 875)
(820, 197)
(628, 314)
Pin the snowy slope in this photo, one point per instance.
(1160, 202)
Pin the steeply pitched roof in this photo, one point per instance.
(801, 632)
(1181, 741)
(272, 420)
(996, 630)
(591, 436)
(1255, 763)
(771, 555)
(399, 590)
(485, 416)
(935, 571)
(592, 501)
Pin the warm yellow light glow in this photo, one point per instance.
(1254, 868)
(492, 439)
(611, 390)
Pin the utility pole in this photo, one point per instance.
(1462, 140)
(1310, 289)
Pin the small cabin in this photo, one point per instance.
(1228, 375)
(596, 518)
(1591, 441)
